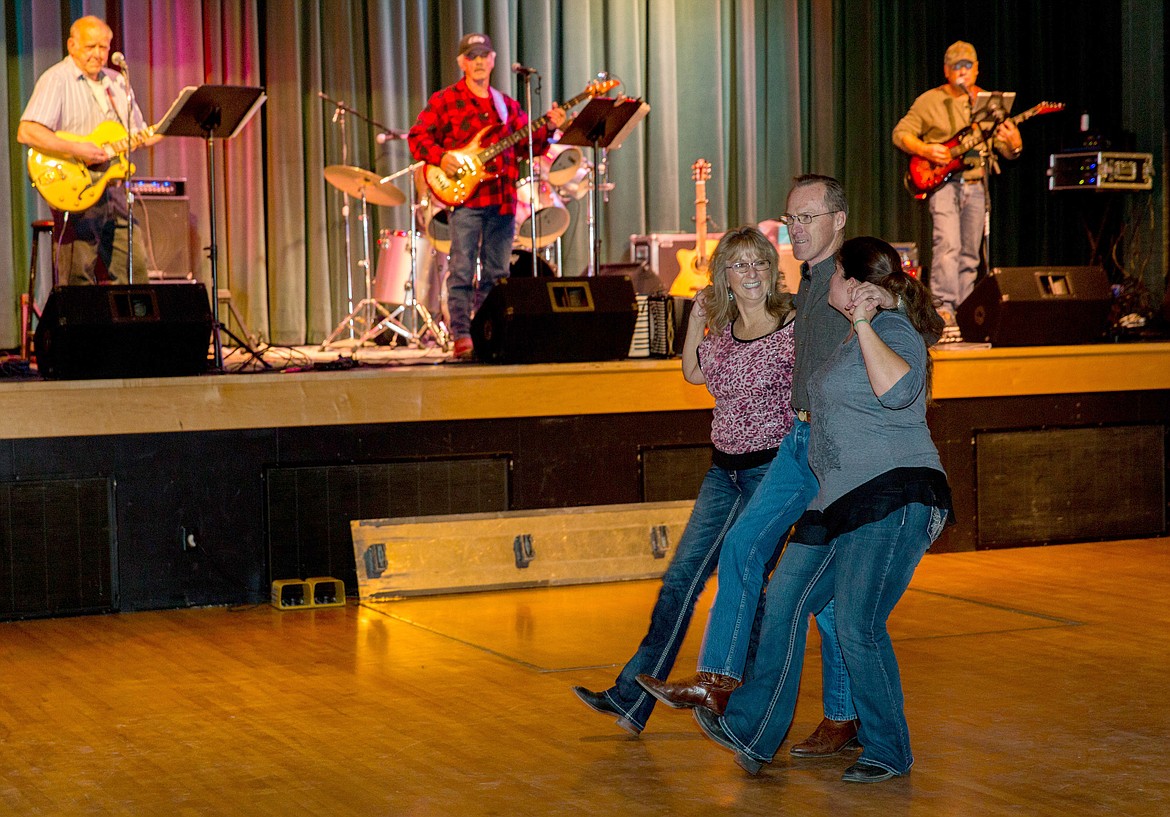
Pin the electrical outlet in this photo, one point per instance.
(188, 538)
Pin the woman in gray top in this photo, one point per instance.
(883, 500)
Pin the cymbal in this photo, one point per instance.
(354, 181)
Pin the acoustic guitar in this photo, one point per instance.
(924, 177)
(693, 273)
(69, 184)
(473, 157)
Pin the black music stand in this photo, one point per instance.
(602, 124)
(213, 112)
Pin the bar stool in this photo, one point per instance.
(28, 301)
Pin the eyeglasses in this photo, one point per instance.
(961, 64)
(804, 218)
(741, 267)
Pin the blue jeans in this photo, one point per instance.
(723, 494)
(957, 212)
(867, 570)
(478, 235)
(750, 549)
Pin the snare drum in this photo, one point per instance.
(393, 265)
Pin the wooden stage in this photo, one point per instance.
(1035, 682)
(102, 482)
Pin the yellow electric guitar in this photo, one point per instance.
(67, 183)
(693, 274)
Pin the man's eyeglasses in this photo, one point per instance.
(804, 218)
(742, 266)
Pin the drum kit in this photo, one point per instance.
(562, 175)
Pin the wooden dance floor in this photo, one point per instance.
(1035, 678)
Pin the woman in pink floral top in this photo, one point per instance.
(739, 344)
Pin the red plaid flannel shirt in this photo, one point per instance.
(452, 117)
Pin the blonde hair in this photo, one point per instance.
(742, 244)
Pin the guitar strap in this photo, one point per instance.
(500, 105)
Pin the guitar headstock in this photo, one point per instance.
(601, 86)
(701, 170)
(1049, 107)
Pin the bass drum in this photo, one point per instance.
(552, 219)
(520, 266)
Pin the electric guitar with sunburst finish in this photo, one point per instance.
(69, 184)
(693, 273)
(923, 177)
(473, 158)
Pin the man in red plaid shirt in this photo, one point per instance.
(482, 228)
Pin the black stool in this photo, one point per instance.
(28, 302)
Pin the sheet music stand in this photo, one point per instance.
(213, 112)
(993, 105)
(989, 106)
(602, 124)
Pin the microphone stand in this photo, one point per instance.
(340, 110)
(533, 176)
(990, 165)
(128, 181)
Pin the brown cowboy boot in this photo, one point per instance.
(706, 689)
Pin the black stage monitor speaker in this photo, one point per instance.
(556, 320)
(645, 281)
(138, 330)
(1037, 306)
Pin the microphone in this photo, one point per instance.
(118, 59)
(386, 136)
(523, 70)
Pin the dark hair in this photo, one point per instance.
(741, 244)
(870, 259)
(834, 192)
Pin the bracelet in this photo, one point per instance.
(861, 320)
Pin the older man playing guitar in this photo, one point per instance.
(75, 126)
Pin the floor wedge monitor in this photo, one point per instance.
(556, 320)
(139, 330)
(1037, 306)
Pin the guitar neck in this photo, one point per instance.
(700, 224)
(976, 135)
(131, 142)
(507, 142)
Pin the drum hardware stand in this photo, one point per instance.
(603, 123)
(421, 320)
(340, 109)
(213, 112)
(368, 306)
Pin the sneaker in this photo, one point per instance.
(464, 349)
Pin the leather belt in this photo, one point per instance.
(804, 416)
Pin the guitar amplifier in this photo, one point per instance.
(164, 213)
(1100, 170)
